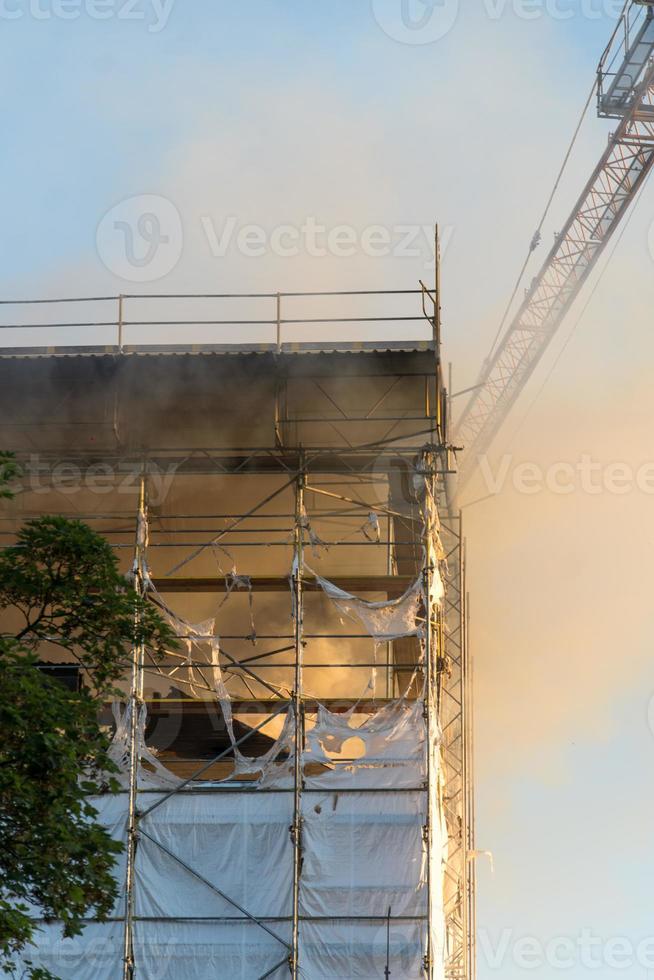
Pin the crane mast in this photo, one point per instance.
(626, 92)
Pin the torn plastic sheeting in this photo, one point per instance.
(394, 741)
(194, 631)
(334, 950)
(236, 582)
(315, 541)
(152, 774)
(437, 586)
(275, 767)
(372, 529)
(432, 523)
(190, 635)
(363, 853)
(236, 841)
(389, 738)
(393, 732)
(388, 619)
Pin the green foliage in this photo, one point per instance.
(53, 853)
(9, 469)
(62, 583)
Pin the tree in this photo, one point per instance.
(8, 470)
(60, 582)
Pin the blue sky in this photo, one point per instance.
(273, 111)
(89, 117)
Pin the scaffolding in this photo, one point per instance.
(308, 554)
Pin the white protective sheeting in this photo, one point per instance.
(151, 773)
(239, 842)
(95, 955)
(275, 767)
(358, 950)
(98, 952)
(439, 857)
(209, 863)
(388, 619)
(394, 748)
(209, 951)
(165, 951)
(363, 852)
(112, 813)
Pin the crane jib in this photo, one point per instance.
(604, 201)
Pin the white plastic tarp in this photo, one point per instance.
(95, 955)
(151, 773)
(208, 951)
(358, 950)
(363, 852)
(394, 748)
(387, 619)
(239, 842)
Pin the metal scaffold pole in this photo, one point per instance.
(135, 702)
(467, 828)
(455, 721)
(298, 608)
(471, 876)
(429, 709)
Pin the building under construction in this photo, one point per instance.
(296, 775)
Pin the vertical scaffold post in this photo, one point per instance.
(469, 778)
(429, 708)
(437, 286)
(278, 316)
(390, 674)
(120, 322)
(440, 407)
(135, 702)
(298, 603)
(465, 828)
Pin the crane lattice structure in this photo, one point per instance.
(625, 92)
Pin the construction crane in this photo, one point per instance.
(625, 91)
